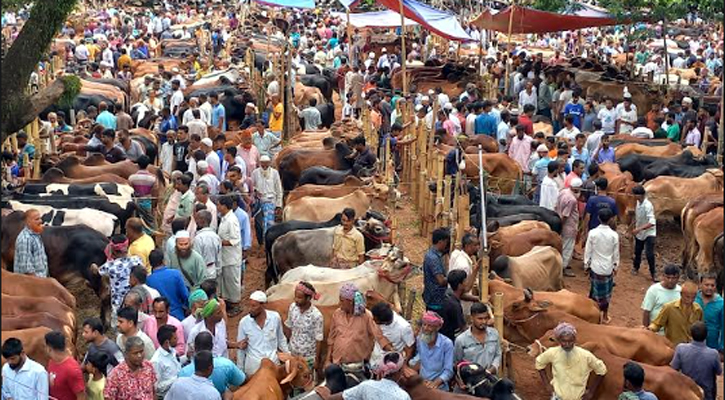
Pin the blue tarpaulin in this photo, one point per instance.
(288, 3)
(441, 23)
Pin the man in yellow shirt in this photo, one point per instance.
(123, 60)
(676, 317)
(141, 243)
(570, 367)
(276, 120)
(348, 244)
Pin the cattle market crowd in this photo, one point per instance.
(228, 183)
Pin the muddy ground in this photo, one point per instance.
(624, 310)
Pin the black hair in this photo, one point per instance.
(117, 239)
(605, 214)
(99, 360)
(165, 333)
(129, 314)
(349, 212)
(468, 238)
(441, 234)
(698, 330)
(672, 269)
(638, 190)
(204, 341)
(55, 340)
(143, 161)
(382, 312)
(232, 150)
(577, 163)
(396, 127)
(156, 257)
(226, 202)
(456, 278)
(139, 272)
(109, 133)
(185, 180)
(479, 308)
(178, 224)
(529, 108)
(12, 347)
(203, 361)
(209, 287)
(634, 374)
(553, 166)
(95, 324)
(601, 183)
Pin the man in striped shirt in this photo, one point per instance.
(143, 182)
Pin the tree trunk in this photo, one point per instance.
(46, 18)
(19, 111)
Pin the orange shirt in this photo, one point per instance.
(376, 119)
(352, 338)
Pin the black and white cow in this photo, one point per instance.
(100, 221)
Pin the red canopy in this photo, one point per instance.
(529, 20)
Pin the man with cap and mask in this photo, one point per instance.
(211, 319)
(601, 258)
(571, 366)
(260, 335)
(353, 332)
(118, 268)
(268, 190)
(567, 206)
(187, 260)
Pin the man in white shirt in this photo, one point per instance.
(679, 62)
(626, 97)
(212, 158)
(207, 178)
(82, 53)
(165, 361)
(626, 117)
(189, 113)
(528, 96)
(260, 335)
(178, 77)
(502, 132)
(231, 258)
(268, 189)
(197, 125)
(549, 188)
(23, 378)
(205, 107)
(470, 119)
(569, 131)
(601, 257)
(645, 231)
(176, 98)
(395, 328)
(608, 116)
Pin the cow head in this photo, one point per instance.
(296, 371)
(395, 267)
(374, 230)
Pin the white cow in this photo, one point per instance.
(98, 220)
(381, 276)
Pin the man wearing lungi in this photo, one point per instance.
(601, 258)
(268, 188)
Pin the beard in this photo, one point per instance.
(37, 229)
(183, 253)
(426, 337)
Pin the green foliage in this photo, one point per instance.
(72, 86)
(556, 6)
(651, 10)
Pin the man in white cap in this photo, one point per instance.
(268, 191)
(260, 335)
(687, 112)
(207, 178)
(185, 259)
(250, 116)
(212, 158)
(384, 60)
(601, 258)
(567, 206)
(626, 96)
(370, 60)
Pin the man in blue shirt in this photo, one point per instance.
(575, 109)
(598, 202)
(169, 283)
(105, 116)
(168, 121)
(434, 273)
(712, 308)
(225, 376)
(218, 113)
(604, 153)
(633, 382)
(244, 225)
(486, 122)
(435, 353)
(699, 362)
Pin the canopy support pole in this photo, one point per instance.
(403, 51)
(509, 61)
(349, 38)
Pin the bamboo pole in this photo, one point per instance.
(403, 51)
(509, 61)
(498, 319)
(349, 38)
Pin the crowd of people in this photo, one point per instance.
(170, 304)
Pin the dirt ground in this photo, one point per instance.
(624, 310)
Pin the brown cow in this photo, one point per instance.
(488, 143)
(55, 175)
(416, 388)
(351, 184)
(275, 382)
(562, 300)
(520, 243)
(669, 150)
(293, 162)
(663, 381)
(144, 67)
(693, 209)
(33, 340)
(303, 94)
(320, 209)
(539, 269)
(28, 285)
(503, 172)
(520, 227)
(48, 320)
(72, 167)
(21, 305)
(528, 321)
(707, 227)
(619, 187)
(670, 194)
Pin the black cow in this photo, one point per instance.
(100, 203)
(149, 147)
(277, 230)
(234, 102)
(493, 224)
(510, 199)
(323, 176)
(683, 165)
(71, 250)
(326, 82)
(119, 83)
(327, 114)
(635, 164)
(74, 189)
(480, 383)
(551, 218)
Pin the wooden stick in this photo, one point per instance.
(403, 52)
(498, 317)
(508, 49)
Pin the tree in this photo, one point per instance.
(19, 108)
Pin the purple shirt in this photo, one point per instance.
(700, 363)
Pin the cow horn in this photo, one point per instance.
(528, 295)
(291, 375)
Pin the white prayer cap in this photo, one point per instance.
(182, 235)
(576, 183)
(431, 92)
(258, 296)
(542, 147)
(686, 100)
(371, 55)
(384, 50)
(203, 165)
(175, 70)
(448, 106)
(207, 142)
(265, 158)
(425, 98)
(418, 107)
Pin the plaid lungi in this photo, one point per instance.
(601, 289)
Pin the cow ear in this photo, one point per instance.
(291, 373)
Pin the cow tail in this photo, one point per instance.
(160, 178)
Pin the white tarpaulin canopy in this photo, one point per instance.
(376, 19)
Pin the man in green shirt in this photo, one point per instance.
(186, 203)
(673, 129)
(187, 260)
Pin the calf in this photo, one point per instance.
(275, 382)
(693, 209)
(539, 269)
(708, 227)
(29, 285)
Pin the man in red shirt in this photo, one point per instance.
(134, 378)
(525, 119)
(64, 372)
